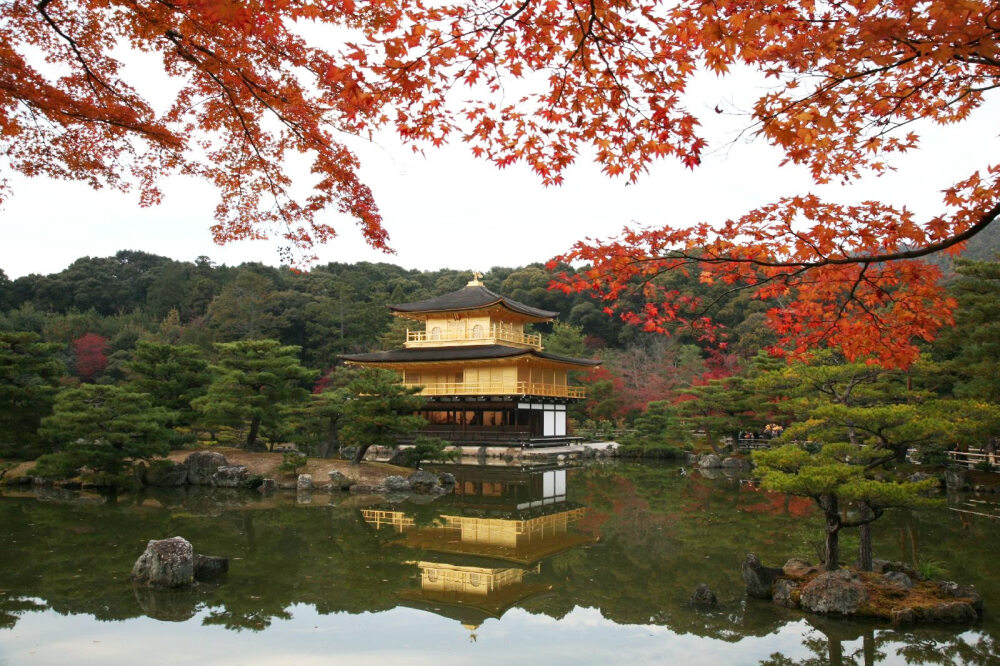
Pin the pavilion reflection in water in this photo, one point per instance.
(483, 551)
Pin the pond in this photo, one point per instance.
(587, 565)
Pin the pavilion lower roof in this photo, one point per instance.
(470, 353)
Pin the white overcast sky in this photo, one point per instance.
(447, 209)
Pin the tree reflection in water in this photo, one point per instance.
(630, 541)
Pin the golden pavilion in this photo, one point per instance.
(488, 380)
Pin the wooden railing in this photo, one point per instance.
(491, 335)
(502, 388)
(973, 457)
(757, 443)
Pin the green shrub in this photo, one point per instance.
(635, 447)
(934, 458)
(931, 570)
(292, 462)
(426, 448)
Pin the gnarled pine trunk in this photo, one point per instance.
(252, 435)
(865, 539)
(359, 455)
(831, 509)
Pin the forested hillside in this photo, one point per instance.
(178, 338)
(332, 309)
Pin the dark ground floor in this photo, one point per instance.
(529, 422)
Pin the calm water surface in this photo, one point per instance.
(544, 565)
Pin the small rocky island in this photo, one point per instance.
(891, 591)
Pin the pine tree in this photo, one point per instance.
(29, 377)
(172, 376)
(972, 347)
(833, 476)
(103, 427)
(253, 381)
(378, 411)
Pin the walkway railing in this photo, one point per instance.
(973, 457)
(485, 336)
(747, 444)
(502, 388)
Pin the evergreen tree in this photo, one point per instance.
(103, 427)
(29, 377)
(378, 410)
(835, 475)
(565, 339)
(427, 448)
(721, 408)
(246, 309)
(658, 432)
(972, 348)
(253, 381)
(172, 376)
(315, 425)
(830, 400)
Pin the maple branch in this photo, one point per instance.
(91, 76)
(276, 189)
(984, 221)
(847, 299)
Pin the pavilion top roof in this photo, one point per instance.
(473, 296)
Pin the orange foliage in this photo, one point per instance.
(850, 78)
(250, 91)
(606, 76)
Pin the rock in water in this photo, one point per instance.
(304, 483)
(834, 592)
(953, 611)
(209, 567)
(201, 465)
(423, 481)
(758, 578)
(956, 479)
(396, 484)
(703, 596)
(969, 593)
(165, 563)
(230, 476)
(340, 481)
(784, 593)
(709, 461)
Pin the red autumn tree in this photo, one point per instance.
(606, 76)
(850, 79)
(250, 92)
(90, 357)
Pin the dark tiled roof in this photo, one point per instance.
(471, 298)
(437, 354)
(567, 359)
